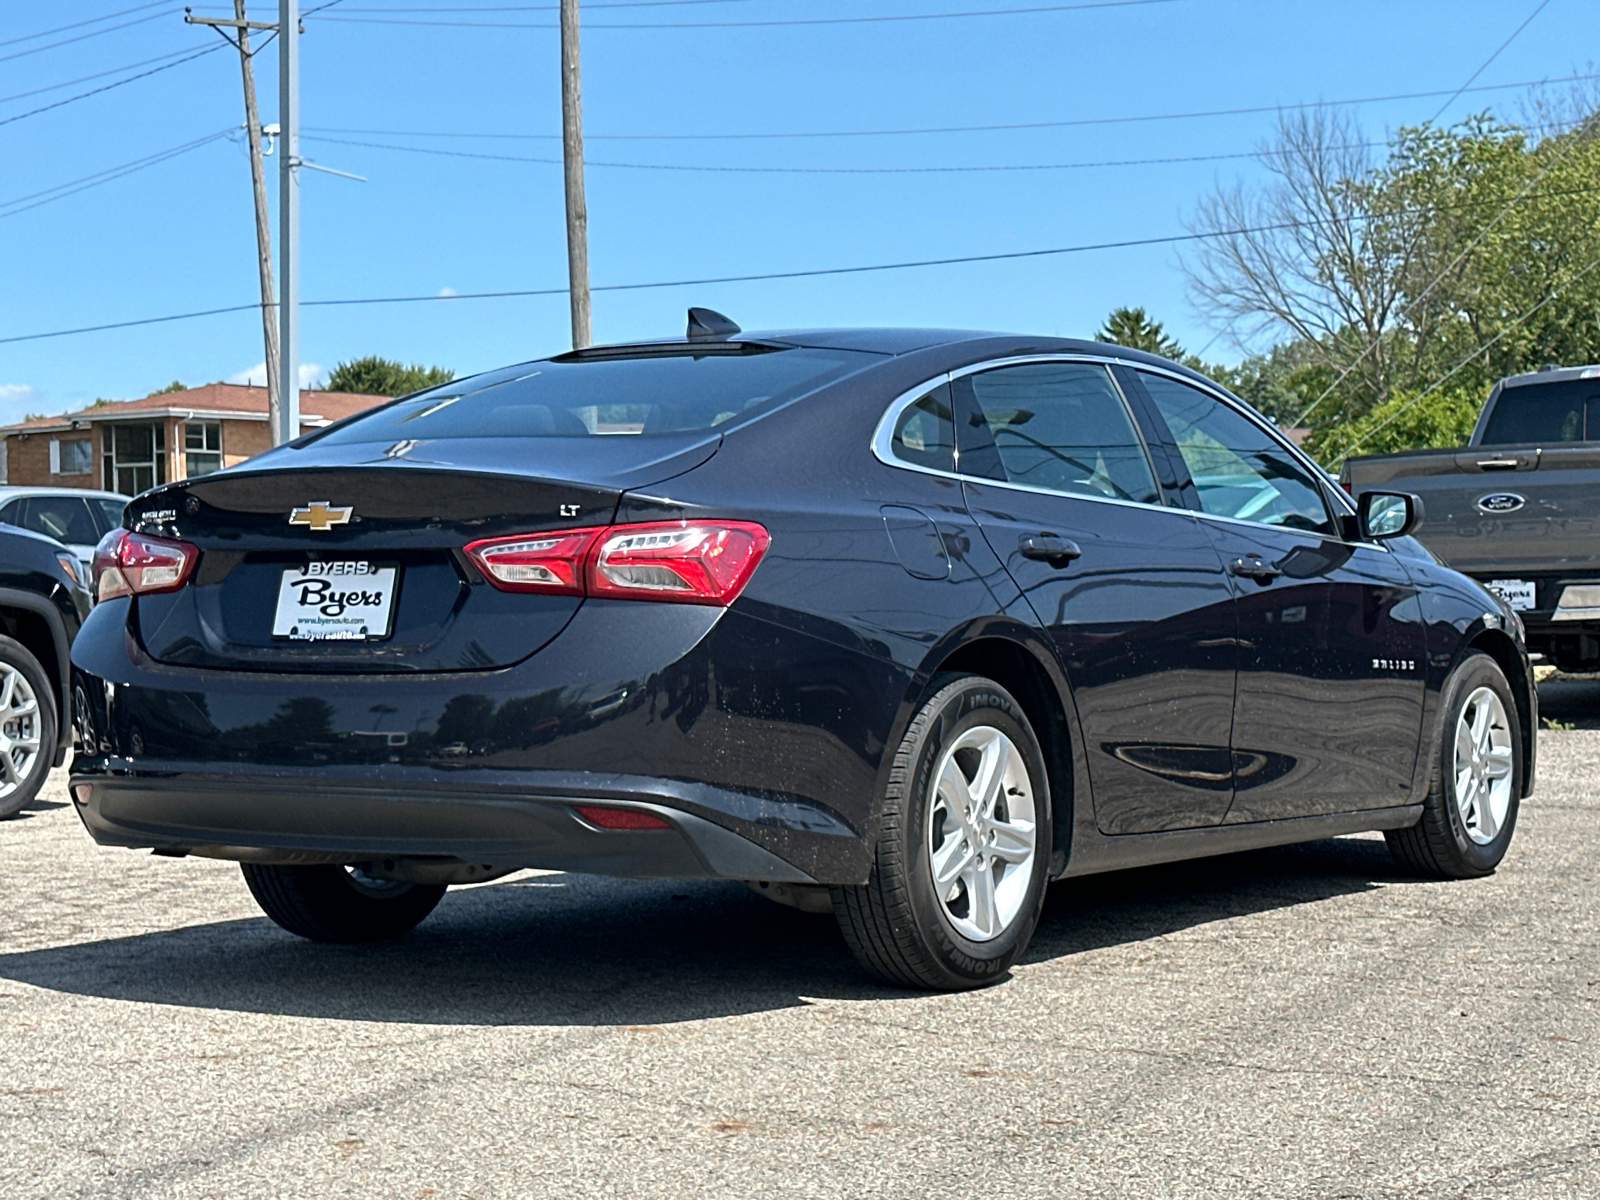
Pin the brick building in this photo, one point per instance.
(130, 445)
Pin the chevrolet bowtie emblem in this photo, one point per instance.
(319, 515)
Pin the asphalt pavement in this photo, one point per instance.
(1304, 1022)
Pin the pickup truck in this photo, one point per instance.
(1518, 507)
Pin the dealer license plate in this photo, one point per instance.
(335, 601)
(1516, 592)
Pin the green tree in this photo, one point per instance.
(1133, 328)
(1470, 253)
(374, 376)
(1403, 422)
(174, 386)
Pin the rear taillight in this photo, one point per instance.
(699, 563)
(686, 562)
(535, 563)
(127, 563)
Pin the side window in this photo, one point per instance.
(65, 518)
(1238, 469)
(110, 513)
(11, 514)
(1058, 426)
(925, 433)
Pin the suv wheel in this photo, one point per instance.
(27, 727)
(1471, 809)
(339, 904)
(964, 845)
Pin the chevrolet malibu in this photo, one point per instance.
(897, 624)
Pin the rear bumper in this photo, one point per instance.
(329, 820)
(694, 710)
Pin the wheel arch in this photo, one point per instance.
(32, 621)
(1015, 657)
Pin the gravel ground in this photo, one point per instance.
(1306, 1022)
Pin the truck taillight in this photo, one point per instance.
(684, 562)
(127, 564)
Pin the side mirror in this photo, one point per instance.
(1388, 514)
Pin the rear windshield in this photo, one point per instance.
(644, 396)
(1545, 412)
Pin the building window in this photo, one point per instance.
(202, 447)
(74, 456)
(137, 459)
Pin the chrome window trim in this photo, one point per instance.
(883, 439)
(883, 435)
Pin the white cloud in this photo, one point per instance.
(311, 375)
(445, 292)
(17, 400)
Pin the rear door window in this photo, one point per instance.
(1057, 426)
(632, 396)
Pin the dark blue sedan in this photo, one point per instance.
(901, 624)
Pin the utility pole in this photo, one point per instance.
(572, 163)
(287, 427)
(252, 126)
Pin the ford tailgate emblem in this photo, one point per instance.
(1501, 502)
(319, 515)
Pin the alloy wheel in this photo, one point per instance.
(981, 833)
(20, 730)
(1483, 760)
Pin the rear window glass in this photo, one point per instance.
(642, 396)
(1568, 411)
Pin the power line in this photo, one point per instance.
(53, 87)
(511, 7)
(1484, 66)
(92, 33)
(1068, 166)
(622, 287)
(33, 112)
(1345, 374)
(122, 12)
(1130, 243)
(71, 187)
(831, 133)
(785, 22)
(1577, 136)
(1443, 379)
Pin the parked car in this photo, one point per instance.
(76, 517)
(897, 623)
(1517, 508)
(43, 599)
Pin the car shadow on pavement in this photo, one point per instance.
(585, 950)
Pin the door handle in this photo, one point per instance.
(1057, 551)
(1255, 568)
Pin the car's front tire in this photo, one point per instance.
(339, 904)
(1471, 810)
(27, 727)
(963, 846)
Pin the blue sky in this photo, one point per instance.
(178, 236)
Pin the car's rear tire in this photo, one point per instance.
(967, 797)
(1471, 810)
(27, 727)
(339, 904)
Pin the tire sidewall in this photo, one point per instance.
(17, 656)
(958, 707)
(1478, 670)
